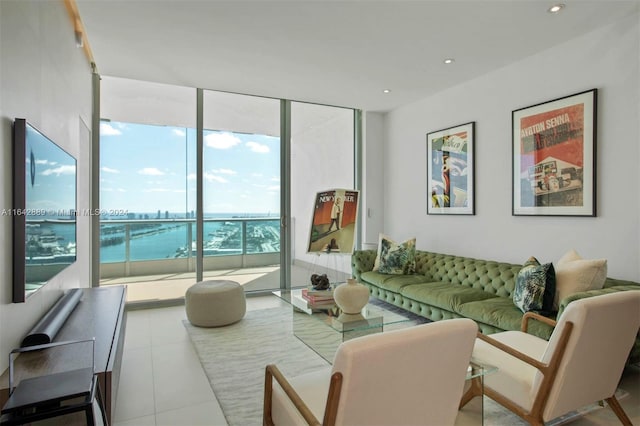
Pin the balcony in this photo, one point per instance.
(156, 258)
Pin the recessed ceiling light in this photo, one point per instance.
(449, 61)
(386, 91)
(555, 8)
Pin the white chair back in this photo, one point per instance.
(604, 329)
(405, 377)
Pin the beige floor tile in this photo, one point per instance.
(179, 379)
(140, 421)
(135, 390)
(208, 413)
(138, 330)
(162, 381)
(168, 326)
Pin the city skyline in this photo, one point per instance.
(241, 171)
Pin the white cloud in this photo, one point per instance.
(180, 191)
(210, 177)
(221, 140)
(213, 175)
(105, 189)
(257, 147)
(109, 170)
(275, 179)
(150, 171)
(107, 129)
(179, 132)
(45, 162)
(225, 171)
(274, 188)
(62, 170)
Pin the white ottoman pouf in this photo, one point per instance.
(215, 303)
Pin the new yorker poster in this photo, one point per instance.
(333, 227)
(554, 157)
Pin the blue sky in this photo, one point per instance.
(54, 182)
(146, 168)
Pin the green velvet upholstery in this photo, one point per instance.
(447, 286)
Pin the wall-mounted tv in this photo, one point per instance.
(44, 209)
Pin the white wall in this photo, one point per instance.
(46, 79)
(606, 59)
(373, 179)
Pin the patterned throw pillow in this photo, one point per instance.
(535, 286)
(397, 258)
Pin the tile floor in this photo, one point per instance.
(162, 382)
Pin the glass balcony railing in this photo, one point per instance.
(137, 241)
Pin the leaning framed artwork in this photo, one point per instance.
(334, 222)
(554, 157)
(450, 170)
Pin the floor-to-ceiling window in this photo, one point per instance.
(322, 159)
(241, 187)
(148, 189)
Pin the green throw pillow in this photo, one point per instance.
(535, 286)
(397, 258)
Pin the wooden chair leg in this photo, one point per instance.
(619, 412)
(475, 389)
(267, 420)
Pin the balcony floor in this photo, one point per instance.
(166, 288)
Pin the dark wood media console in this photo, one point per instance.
(100, 314)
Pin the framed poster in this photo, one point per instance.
(333, 226)
(450, 170)
(554, 157)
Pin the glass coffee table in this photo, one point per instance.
(322, 327)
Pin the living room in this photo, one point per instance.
(46, 78)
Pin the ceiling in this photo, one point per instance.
(338, 52)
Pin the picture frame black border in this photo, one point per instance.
(471, 143)
(593, 93)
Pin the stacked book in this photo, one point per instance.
(318, 298)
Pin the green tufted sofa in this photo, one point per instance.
(447, 286)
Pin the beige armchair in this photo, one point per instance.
(581, 363)
(404, 377)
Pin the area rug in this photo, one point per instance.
(234, 358)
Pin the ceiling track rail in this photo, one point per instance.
(79, 31)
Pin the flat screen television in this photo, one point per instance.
(44, 209)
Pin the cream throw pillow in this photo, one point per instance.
(575, 274)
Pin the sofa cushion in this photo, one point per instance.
(535, 286)
(575, 274)
(395, 258)
(390, 282)
(502, 313)
(444, 295)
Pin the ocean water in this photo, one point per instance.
(164, 243)
(161, 241)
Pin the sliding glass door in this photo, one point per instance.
(322, 160)
(241, 189)
(260, 163)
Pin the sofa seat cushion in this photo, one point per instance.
(500, 312)
(390, 282)
(444, 295)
